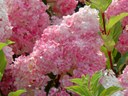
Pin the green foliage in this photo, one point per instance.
(109, 91)
(100, 5)
(90, 86)
(17, 93)
(113, 20)
(45, 2)
(115, 31)
(109, 43)
(104, 50)
(2, 45)
(3, 61)
(122, 62)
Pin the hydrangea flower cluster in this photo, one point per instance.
(62, 7)
(29, 67)
(29, 19)
(120, 6)
(68, 50)
(62, 46)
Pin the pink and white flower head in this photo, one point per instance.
(71, 47)
(29, 19)
(117, 7)
(5, 27)
(64, 7)
(26, 70)
(74, 43)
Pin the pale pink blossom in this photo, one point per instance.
(5, 27)
(26, 70)
(29, 19)
(62, 46)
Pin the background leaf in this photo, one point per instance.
(109, 91)
(3, 63)
(17, 93)
(100, 5)
(2, 45)
(113, 20)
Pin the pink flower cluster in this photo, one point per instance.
(117, 7)
(25, 67)
(64, 7)
(62, 46)
(29, 19)
(68, 50)
(122, 44)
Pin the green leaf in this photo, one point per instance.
(94, 88)
(17, 93)
(95, 81)
(109, 42)
(3, 63)
(85, 79)
(115, 31)
(101, 5)
(122, 61)
(104, 50)
(78, 81)
(2, 45)
(113, 20)
(100, 88)
(45, 2)
(109, 91)
(81, 81)
(83, 91)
